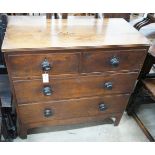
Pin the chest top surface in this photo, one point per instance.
(36, 32)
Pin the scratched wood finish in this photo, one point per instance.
(61, 63)
(69, 63)
(31, 90)
(74, 121)
(41, 33)
(73, 108)
(80, 51)
(100, 62)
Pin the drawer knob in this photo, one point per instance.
(48, 113)
(47, 91)
(102, 107)
(46, 66)
(108, 85)
(114, 61)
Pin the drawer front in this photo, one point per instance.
(82, 86)
(73, 108)
(113, 60)
(29, 65)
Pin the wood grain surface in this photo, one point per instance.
(74, 108)
(80, 52)
(39, 32)
(30, 91)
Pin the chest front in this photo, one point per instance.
(74, 83)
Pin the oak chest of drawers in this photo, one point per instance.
(71, 71)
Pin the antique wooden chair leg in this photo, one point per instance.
(142, 126)
(97, 15)
(49, 15)
(64, 15)
(56, 15)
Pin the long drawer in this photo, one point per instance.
(29, 91)
(73, 108)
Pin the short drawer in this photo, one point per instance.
(29, 65)
(103, 61)
(81, 86)
(74, 108)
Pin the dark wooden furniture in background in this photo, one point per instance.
(144, 90)
(7, 115)
(3, 25)
(144, 93)
(7, 124)
(126, 16)
(49, 15)
(0, 121)
(92, 67)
